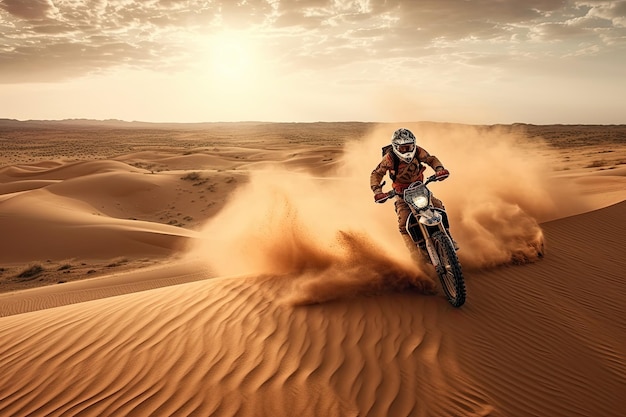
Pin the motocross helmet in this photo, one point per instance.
(403, 144)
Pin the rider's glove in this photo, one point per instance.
(380, 197)
(442, 174)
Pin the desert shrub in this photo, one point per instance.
(31, 271)
(597, 164)
(192, 176)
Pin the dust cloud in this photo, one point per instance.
(500, 188)
(321, 232)
(327, 233)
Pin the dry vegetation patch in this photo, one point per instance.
(30, 272)
(36, 274)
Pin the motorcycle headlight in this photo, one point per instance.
(420, 201)
(417, 196)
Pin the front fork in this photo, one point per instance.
(430, 247)
(425, 228)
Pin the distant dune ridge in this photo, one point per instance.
(245, 270)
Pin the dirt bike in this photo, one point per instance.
(428, 227)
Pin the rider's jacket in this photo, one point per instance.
(407, 173)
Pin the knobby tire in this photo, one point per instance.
(450, 274)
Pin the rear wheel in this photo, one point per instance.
(449, 270)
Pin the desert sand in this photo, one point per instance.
(243, 269)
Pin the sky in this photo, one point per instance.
(460, 61)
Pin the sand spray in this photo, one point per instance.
(327, 234)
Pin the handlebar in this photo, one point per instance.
(392, 193)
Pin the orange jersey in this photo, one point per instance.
(407, 173)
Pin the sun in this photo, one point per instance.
(230, 56)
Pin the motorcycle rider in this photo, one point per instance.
(405, 165)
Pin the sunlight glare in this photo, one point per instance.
(230, 56)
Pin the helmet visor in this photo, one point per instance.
(409, 147)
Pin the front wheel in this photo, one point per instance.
(449, 270)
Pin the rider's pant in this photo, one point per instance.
(403, 211)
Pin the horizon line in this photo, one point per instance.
(121, 121)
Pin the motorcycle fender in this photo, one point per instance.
(430, 217)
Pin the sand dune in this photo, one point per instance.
(281, 314)
(79, 211)
(539, 339)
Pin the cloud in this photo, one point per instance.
(78, 38)
(556, 31)
(29, 9)
(615, 11)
